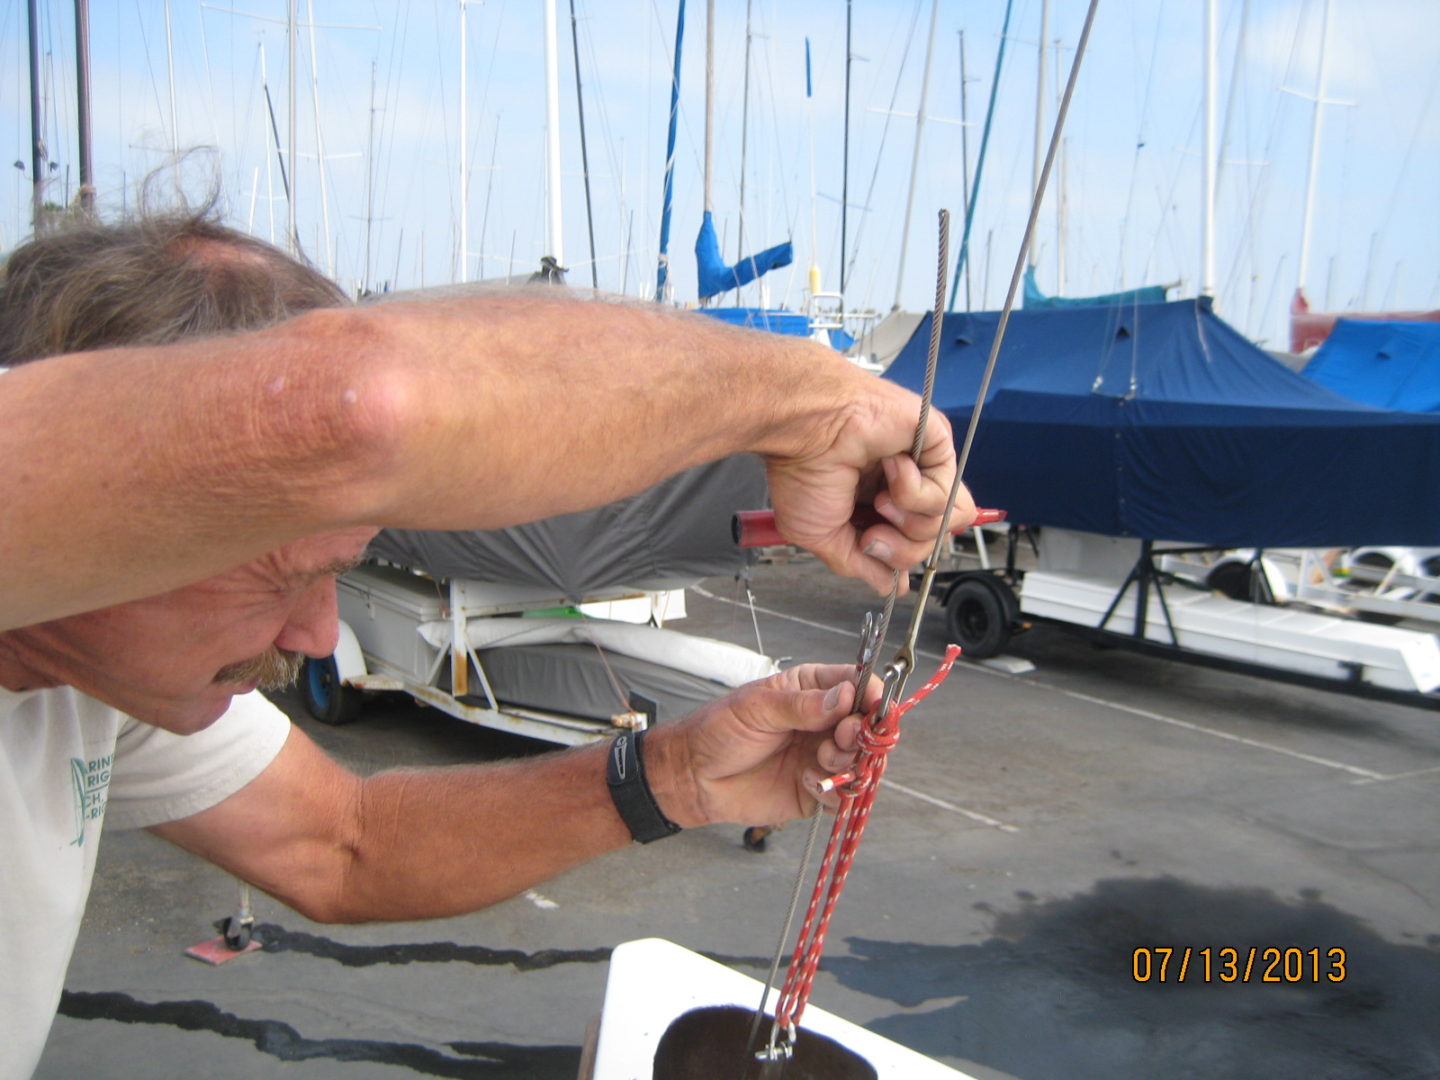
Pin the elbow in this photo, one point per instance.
(355, 416)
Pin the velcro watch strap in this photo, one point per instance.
(625, 775)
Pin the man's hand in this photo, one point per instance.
(863, 458)
(757, 756)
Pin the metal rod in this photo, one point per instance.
(584, 152)
(82, 86)
(37, 136)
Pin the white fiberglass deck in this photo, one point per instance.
(652, 982)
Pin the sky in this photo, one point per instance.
(379, 187)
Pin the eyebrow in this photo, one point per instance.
(332, 569)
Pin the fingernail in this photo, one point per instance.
(887, 509)
(878, 549)
(832, 699)
(888, 464)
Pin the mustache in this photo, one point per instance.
(274, 669)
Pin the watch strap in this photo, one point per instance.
(630, 791)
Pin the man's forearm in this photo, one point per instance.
(575, 404)
(139, 470)
(430, 843)
(444, 843)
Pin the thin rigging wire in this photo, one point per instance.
(884, 134)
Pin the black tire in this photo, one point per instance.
(1240, 581)
(326, 698)
(978, 617)
(238, 933)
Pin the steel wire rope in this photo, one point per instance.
(812, 933)
(835, 866)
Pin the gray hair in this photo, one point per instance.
(157, 279)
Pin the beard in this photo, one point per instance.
(274, 669)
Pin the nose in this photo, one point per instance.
(313, 625)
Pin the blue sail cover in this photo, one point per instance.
(716, 277)
(1395, 365)
(1161, 422)
(1034, 298)
(771, 320)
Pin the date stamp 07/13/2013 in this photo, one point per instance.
(1243, 964)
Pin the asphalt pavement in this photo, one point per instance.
(1109, 866)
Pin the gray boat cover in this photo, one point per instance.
(667, 536)
(580, 681)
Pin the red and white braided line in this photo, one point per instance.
(857, 787)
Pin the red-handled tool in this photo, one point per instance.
(756, 528)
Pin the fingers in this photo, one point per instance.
(913, 508)
(837, 753)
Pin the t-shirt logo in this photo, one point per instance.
(92, 785)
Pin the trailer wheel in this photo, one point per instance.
(977, 616)
(327, 699)
(238, 933)
(1240, 581)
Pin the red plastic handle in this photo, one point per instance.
(756, 528)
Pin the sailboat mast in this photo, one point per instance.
(1208, 162)
(37, 138)
(292, 49)
(326, 236)
(279, 157)
(1309, 218)
(584, 151)
(462, 203)
(82, 82)
(170, 74)
(964, 161)
(555, 243)
(962, 260)
(1039, 114)
(845, 153)
(707, 181)
(814, 224)
(744, 133)
(369, 183)
(662, 271)
(915, 158)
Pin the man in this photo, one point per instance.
(176, 515)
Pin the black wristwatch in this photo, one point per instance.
(625, 774)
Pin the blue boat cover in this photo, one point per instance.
(771, 320)
(1395, 365)
(1161, 422)
(715, 277)
(1034, 298)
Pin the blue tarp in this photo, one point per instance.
(773, 320)
(715, 277)
(1395, 365)
(1161, 422)
(1034, 298)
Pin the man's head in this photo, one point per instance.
(151, 281)
(172, 660)
(176, 659)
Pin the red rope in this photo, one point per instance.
(857, 787)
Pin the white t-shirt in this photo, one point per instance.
(68, 765)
